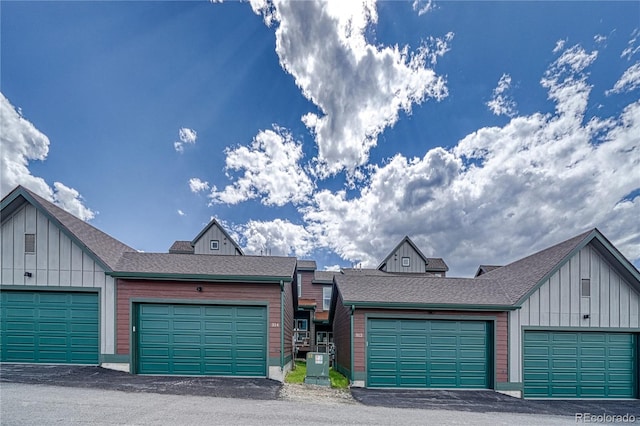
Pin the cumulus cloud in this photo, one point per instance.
(278, 238)
(187, 137)
(20, 143)
(501, 102)
(423, 6)
(196, 185)
(501, 192)
(359, 88)
(181, 213)
(629, 81)
(271, 171)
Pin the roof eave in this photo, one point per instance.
(199, 277)
(431, 306)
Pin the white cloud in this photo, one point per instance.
(196, 185)
(181, 213)
(359, 88)
(271, 171)
(629, 81)
(501, 102)
(559, 45)
(502, 192)
(277, 238)
(423, 6)
(187, 137)
(599, 38)
(21, 142)
(631, 48)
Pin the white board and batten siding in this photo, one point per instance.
(57, 262)
(416, 262)
(214, 233)
(613, 303)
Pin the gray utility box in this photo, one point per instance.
(317, 369)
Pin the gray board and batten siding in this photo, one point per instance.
(416, 260)
(613, 305)
(213, 232)
(57, 263)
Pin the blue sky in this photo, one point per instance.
(483, 130)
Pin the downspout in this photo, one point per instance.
(353, 308)
(282, 325)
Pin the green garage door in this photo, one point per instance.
(579, 365)
(428, 353)
(202, 340)
(49, 327)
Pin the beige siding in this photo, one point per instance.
(559, 303)
(57, 262)
(203, 244)
(416, 262)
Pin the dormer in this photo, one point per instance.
(213, 239)
(406, 257)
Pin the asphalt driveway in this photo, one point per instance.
(90, 377)
(489, 401)
(101, 378)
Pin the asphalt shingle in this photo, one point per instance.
(205, 264)
(103, 246)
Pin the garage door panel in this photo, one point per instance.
(49, 327)
(429, 353)
(383, 339)
(204, 339)
(221, 326)
(604, 365)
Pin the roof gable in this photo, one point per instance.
(432, 264)
(101, 247)
(523, 277)
(215, 223)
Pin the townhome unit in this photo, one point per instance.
(559, 323)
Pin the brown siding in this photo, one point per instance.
(288, 319)
(500, 356)
(342, 336)
(211, 292)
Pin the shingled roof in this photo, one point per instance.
(521, 277)
(307, 265)
(181, 247)
(507, 286)
(201, 266)
(419, 290)
(102, 247)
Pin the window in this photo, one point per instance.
(29, 243)
(326, 298)
(299, 286)
(300, 324)
(323, 337)
(214, 245)
(406, 262)
(586, 287)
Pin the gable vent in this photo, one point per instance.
(29, 243)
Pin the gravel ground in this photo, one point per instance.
(315, 394)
